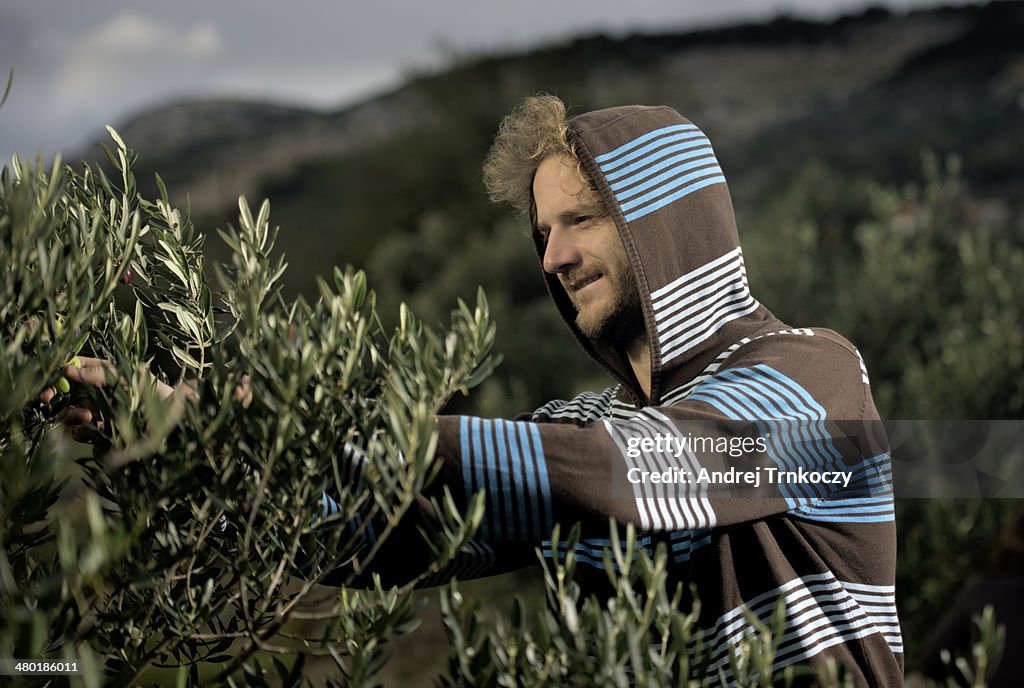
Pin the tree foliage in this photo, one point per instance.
(641, 635)
(914, 276)
(175, 540)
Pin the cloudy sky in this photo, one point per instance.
(78, 65)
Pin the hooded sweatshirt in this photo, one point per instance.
(736, 396)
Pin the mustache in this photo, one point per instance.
(573, 279)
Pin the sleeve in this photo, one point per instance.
(785, 425)
(405, 552)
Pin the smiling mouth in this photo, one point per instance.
(576, 285)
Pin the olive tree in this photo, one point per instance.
(198, 526)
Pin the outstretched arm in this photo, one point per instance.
(792, 413)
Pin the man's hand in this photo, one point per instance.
(80, 416)
(83, 419)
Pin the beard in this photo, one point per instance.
(617, 323)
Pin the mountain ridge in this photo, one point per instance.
(736, 81)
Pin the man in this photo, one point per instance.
(635, 232)
(634, 228)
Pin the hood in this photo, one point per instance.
(658, 176)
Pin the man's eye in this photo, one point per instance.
(580, 219)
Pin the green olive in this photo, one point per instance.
(75, 362)
(63, 385)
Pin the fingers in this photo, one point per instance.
(82, 421)
(163, 389)
(94, 372)
(47, 395)
(87, 434)
(90, 362)
(76, 415)
(243, 392)
(63, 384)
(98, 372)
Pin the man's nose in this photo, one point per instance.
(561, 253)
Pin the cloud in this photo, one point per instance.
(82, 64)
(72, 78)
(132, 57)
(132, 34)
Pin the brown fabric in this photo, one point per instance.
(724, 369)
(663, 245)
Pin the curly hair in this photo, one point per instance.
(533, 130)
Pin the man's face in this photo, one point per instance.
(583, 247)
